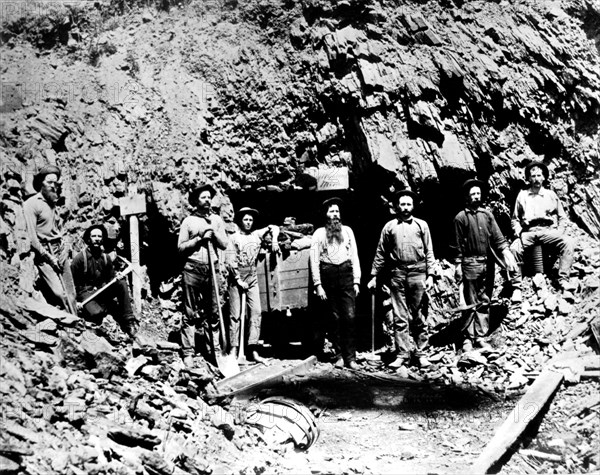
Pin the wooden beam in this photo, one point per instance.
(526, 410)
(136, 282)
(260, 376)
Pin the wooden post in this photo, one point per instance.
(136, 284)
(132, 206)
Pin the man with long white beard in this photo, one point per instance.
(406, 252)
(46, 236)
(336, 275)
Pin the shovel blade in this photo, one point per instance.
(228, 365)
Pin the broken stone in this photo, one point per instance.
(8, 466)
(564, 307)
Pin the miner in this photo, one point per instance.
(94, 270)
(47, 240)
(405, 253)
(200, 234)
(476, 238)
(336, 275)
(242, 258)
(539, 218)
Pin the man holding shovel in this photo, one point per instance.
(95, 278)
(47, 240)
(242, 257)
(200, 237)
(476, 235)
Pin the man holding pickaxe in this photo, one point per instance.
(46, 236)
(200, 237)
(100, 290)
(477, 235)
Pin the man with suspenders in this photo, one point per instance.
(406, 253)
(476, 234)
(92, 269)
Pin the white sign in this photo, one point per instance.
(330, 178)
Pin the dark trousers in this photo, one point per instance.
(477, 324)
(200, 309)
(338, 284)
(407, 288)
(114, 300)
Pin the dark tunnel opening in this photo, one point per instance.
(364, 211)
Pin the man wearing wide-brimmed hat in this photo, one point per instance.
(241, 262)
(476, 235)
(405, 253)
(92, 269)
(539, 218)
(201, 233)
(335, 271)
(46, 236)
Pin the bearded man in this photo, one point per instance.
(336, 275)
(406, 252)
(46, 236)
(92, 269)
(476, 235)
(200, 234)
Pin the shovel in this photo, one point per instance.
(227, 364)
(242, 356)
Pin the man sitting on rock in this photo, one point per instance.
(93, 269)
(242, 257)
(539, 218)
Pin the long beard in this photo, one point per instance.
(333, 231)
(50, 196)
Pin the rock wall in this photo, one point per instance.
(249, 95)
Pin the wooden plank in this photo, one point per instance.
(260, 376)
(132, 204)
(136, 282)
(528, 407)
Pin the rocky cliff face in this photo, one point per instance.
(249, 95)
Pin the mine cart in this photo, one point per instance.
(283, 280)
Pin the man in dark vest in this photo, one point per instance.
(93, 269)
(476, 236)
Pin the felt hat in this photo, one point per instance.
(405, 192)
(251, 211)
(44, 171)
(471, 182)
(195, 194)
(537, 164)
(88, 232)
(332, 201)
